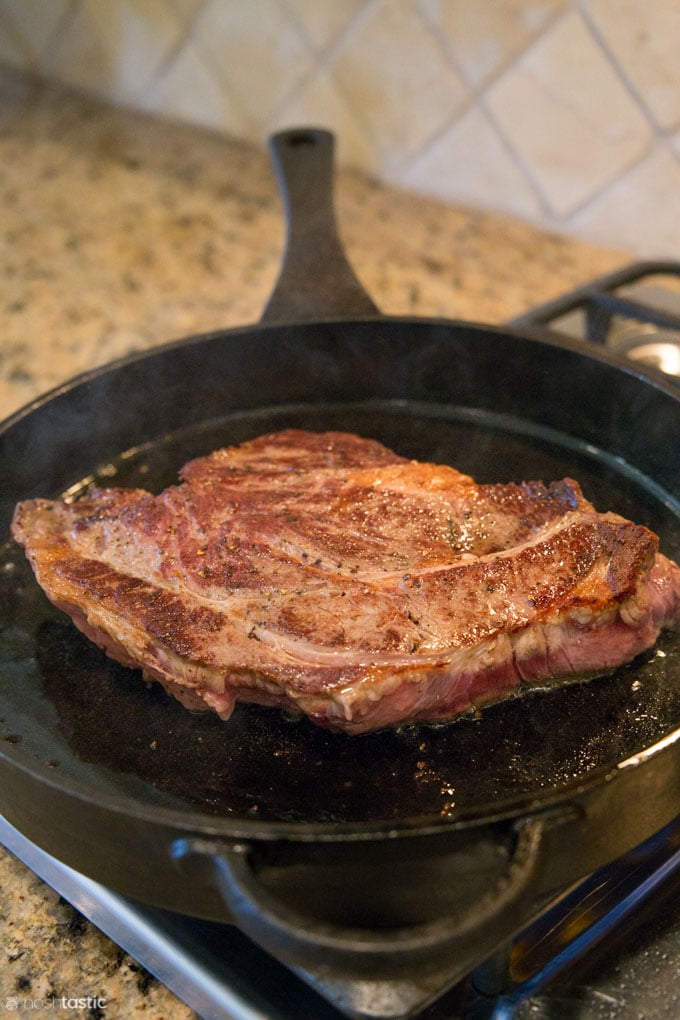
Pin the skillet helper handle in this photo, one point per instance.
(300, 939)
(316, 281)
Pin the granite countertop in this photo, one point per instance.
(121, 232)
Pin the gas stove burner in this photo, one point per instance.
(222, 975)
(634, 312)
(625, 913)
(650, 346)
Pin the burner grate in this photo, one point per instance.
(634, 312)
(222, 975)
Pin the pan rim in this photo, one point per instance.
(187, 820)
(231, 827)
(646, 374)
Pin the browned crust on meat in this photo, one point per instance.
(321, 566)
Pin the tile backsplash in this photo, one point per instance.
(565, 113)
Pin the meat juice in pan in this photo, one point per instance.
(258, 763)
(324, 574)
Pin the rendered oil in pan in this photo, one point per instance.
(215, 856)
(261, 765)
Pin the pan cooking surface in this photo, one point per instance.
(63, 702)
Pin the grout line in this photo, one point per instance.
(391, 165)
(294, 17)
(61, 30)
(400, 165)
(556, 218)
(478, 100)
(600, 40)
(174, 51)
(448, 124)
(214, 69)
(308, 76)
(336, 43)
(657, 135)
(27, 61)
(519, 161)
(322, 57)
(455, 116)
(442, 43)
(661, 137)
(331, 52)
(507, 63)
(298, 88)
(655, 146)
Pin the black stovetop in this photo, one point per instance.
(609, 948)
(616, 937)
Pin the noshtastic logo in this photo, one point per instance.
(53, 1002)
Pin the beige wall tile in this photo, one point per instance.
(553, 110)
(185, 10)
(567, 113)
(470, 164)
(485, 37)
(15, 50)
(320, 105)
(189, 90)
(645, 41)
(395, 78)
(323, 20)
(257, 51)
(675, 144)
(114, 49)
(27, 27)
(640, 211)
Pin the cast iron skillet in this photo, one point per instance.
(364, 852)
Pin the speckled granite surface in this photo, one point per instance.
(120, 232)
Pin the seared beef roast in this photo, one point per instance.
(327, 575)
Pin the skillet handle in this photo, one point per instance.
(316, 280)
(300, 939)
